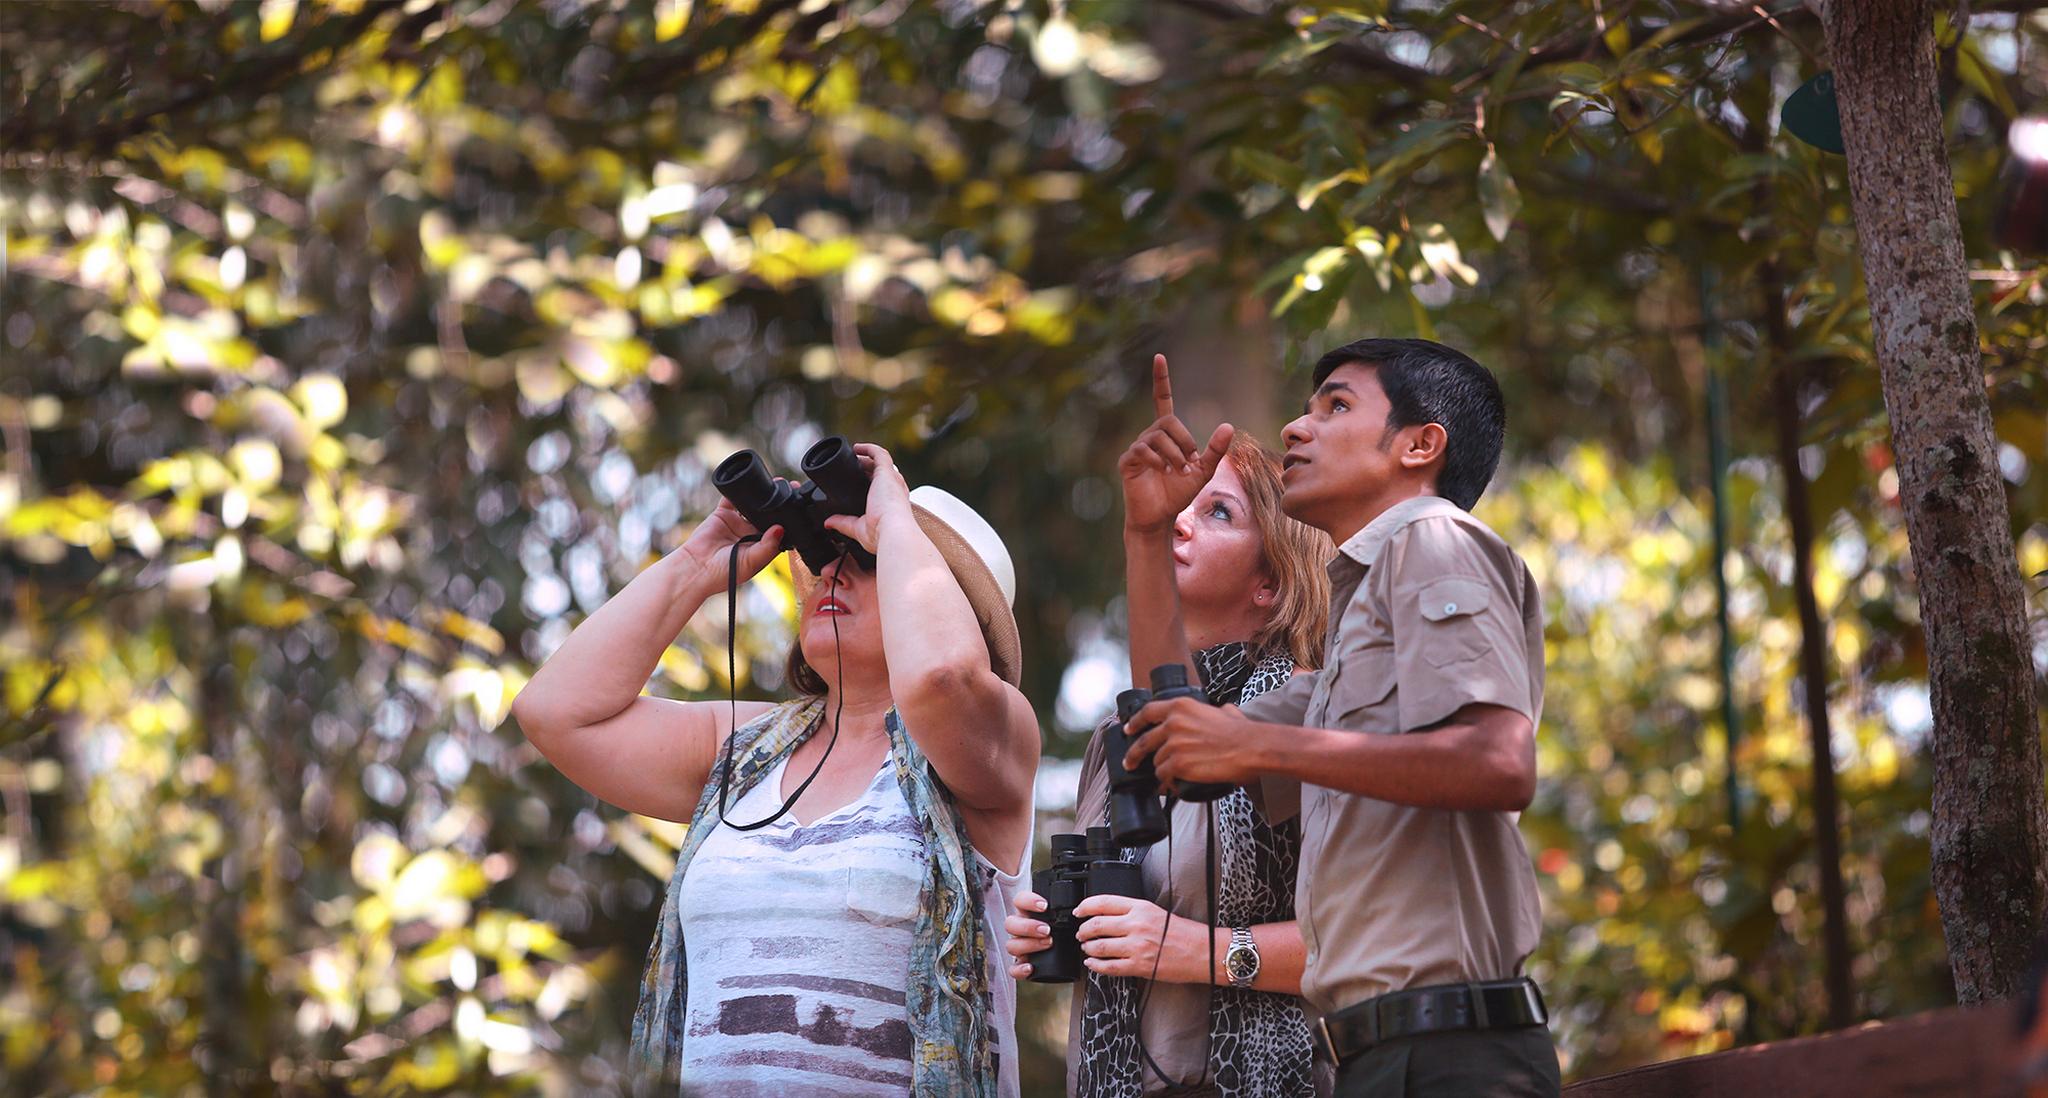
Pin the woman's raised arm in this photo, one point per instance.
(978, 731)
(584, 709)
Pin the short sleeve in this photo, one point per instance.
(1457, 621)
(1284, 704)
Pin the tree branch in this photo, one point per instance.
(245, 80)
(655, 72)
(1351, 53)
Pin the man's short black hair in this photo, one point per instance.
(1427, 382)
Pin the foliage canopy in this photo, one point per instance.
(357, 349)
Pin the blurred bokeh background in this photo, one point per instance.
(355, 350)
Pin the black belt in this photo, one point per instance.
(1492, 1004)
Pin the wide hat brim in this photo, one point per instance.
(977, 581)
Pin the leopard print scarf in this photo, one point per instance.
(1259, 1041)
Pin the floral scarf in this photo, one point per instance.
(948, 998)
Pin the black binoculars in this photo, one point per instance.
(837, 486)
(1082, 866)
(1136, 816)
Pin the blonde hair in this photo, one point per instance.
(1294, 555)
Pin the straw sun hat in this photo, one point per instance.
(980, 564)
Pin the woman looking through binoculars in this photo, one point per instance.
(1255, 599)
(828, 926)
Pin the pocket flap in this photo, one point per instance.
(1454, 596)
(1364, 679)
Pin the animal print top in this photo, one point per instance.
(1257, 1043)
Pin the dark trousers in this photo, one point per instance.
(1492, 1063)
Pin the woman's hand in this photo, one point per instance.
(1027, 935)
(888, 495)
(723, 528)
(1163, 471)
(1123, 937)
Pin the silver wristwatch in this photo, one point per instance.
(1241, 961)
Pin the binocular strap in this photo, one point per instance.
(732, 606)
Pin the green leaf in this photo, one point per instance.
(1617, 38)
(1266, 166)
(1313, 313)
(1424, 327)
(275, 19)
(1582, 75)
(1498, 196)
(1403, 155)
(1309, 192)
(1972, 70)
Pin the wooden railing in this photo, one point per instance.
(1961, 1052)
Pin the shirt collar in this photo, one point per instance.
(1364, 546)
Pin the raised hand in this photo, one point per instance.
(709, 543)
(887, 492)
(1164, 470)
(1190, 741)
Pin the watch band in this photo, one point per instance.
(1241, 962)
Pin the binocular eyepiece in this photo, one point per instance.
(837, 485)
(1136, 815)
(1082, 866)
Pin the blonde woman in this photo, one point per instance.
(1147, 1020)
(829, 926)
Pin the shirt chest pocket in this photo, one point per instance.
(1451, 631)
(884, 896)
(1363, 682)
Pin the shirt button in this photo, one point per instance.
(1450, 608)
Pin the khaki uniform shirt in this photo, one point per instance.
(1431, 612)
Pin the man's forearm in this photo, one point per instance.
(1152, 598)
(1472, 766)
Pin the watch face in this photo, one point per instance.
(1242, 964)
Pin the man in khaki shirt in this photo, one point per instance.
(1410, 753)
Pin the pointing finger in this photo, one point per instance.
(1162, 387)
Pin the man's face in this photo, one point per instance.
(1338, 464)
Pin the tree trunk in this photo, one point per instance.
(1224, 368)
(225, 1033)
(1990, 833)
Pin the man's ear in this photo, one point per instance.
(1425, 445)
